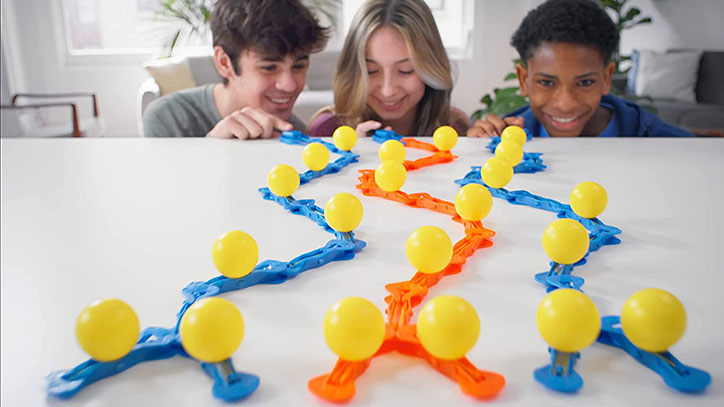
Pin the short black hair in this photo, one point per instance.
(581, 22)
(274, 27)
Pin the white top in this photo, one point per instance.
(135, 219)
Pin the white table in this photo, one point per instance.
(135, 219)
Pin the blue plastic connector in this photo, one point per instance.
(675, 374)
(531, 162)
(230, 385)
(380, 136)
(154, 344)
(162, 343)
(558, 275)
(559, 375)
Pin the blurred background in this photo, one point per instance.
(107, 59)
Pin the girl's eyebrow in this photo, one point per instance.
(396, 62)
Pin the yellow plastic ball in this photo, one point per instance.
(392, 150)
(315, 156)
(515, 134)
(235, 254)
(344, 138)
(448, 327)
(588, 199)
(107, 329)
(496, 172)
(565, 241)
(390, 176)
(510, 151)
(283, 180)
(354, 329)
(568, 320)
(212, 329)
(343, 212)
(473, 202)
(653, 319)
(429, 249)
(445, 138)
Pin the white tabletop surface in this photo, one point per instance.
(135, 219)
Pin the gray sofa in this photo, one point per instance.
(706, 115)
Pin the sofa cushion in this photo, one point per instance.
(710, 87)
(670, 75)
(705, 116)
(171, 74)
(203, 69)
(321, 70)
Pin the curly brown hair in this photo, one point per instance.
(273, 27)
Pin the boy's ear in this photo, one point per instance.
(607, 74)
(223, 63)
(522, 73)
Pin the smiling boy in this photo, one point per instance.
(261, 51)
(566, 48)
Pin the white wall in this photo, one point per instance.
(37, 62)
(677, 24)
(492, 56)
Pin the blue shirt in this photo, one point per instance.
(628, 120)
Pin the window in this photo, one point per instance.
(454, 20)
(136, 26)
(94, 27)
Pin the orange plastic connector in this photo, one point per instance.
(400, 335)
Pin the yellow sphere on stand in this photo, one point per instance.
(473, 202)
(565, 241)
(315, 156)
(568, 320)
(107, 329)
(392, 150)
(588, 199)
(235, 254)
(445, 138)
(429, 249)
(283, 180)
(515, 134)
(343, 212)
(653, 319)
(354, 329)
(496, 172)
(212, 329)
(448, 327)
(510, 151)
(390, 176)
(344, 138)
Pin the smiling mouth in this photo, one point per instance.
(280, 100)
(391, 105)
(564, 122)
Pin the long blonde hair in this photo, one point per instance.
(414, 20)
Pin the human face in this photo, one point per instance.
(269, 83)
(565, 83)
(394, 88)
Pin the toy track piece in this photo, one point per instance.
(338, 385)
(560, 375)
(674, 373)
(230, 385)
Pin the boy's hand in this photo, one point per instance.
(364, 128)
(491, 125)
(249, 123)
